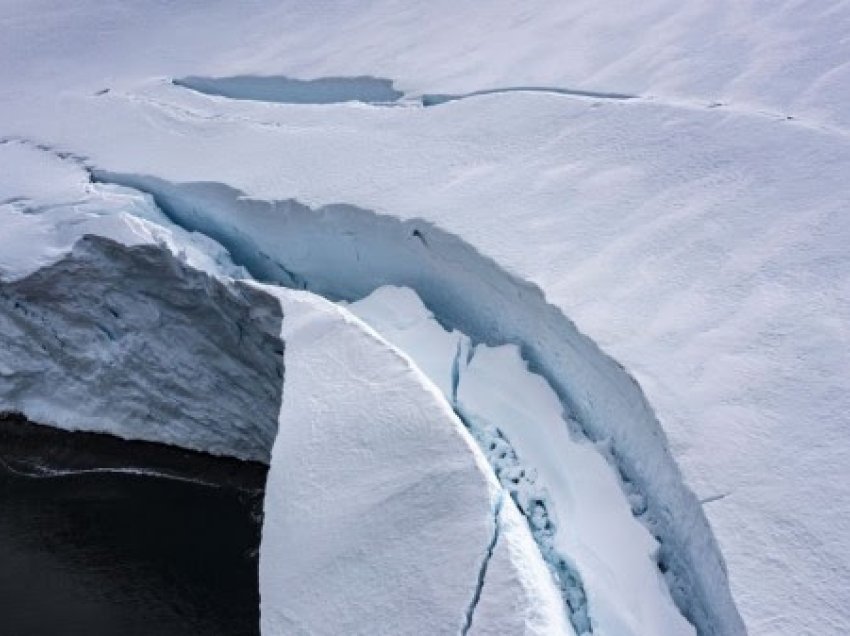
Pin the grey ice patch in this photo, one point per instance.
(131, 341)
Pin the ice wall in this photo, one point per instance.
(132, 341)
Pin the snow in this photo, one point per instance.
(34, 173)
(50, 204)
(594, 526)
(380, 513)
(697, 233)
(114, 320)
(102, 281)
(500, 609)
(789, 59)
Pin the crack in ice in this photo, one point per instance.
(482, 570)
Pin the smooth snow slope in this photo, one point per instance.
(787, 58)
(703, 248)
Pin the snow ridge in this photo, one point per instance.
(435, 99)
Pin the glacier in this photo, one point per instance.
(111, 327)
(343, 252)
(674, 265)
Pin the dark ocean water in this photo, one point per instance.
(124, 554)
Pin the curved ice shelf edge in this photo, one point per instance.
(343, 252)
(576, 508)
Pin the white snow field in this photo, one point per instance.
(647, 202)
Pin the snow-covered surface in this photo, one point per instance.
(513, 600)
(48, 203)
(381, 516)
(114, 319)
(343, 251)
(35, 174)
(789, 58)
(398, 315)
(592, 518)
(696, 233)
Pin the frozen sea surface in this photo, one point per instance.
(101, 536)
